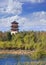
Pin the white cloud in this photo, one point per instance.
(14, 6)
(32, 1)
(33, 21)
(10, 6)
(37, 1)
(6, 22)
(39, 18)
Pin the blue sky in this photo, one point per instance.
(30, 14)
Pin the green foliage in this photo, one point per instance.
(9, 36)
(37, 54)
(34, 41)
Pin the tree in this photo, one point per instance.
(1, 35)
(9, 36)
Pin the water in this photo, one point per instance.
(14, 59)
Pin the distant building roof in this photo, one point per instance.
(14, 22)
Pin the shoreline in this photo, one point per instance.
(16, 52)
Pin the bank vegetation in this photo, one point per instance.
(33, 41)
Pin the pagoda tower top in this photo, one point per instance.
(14, 22)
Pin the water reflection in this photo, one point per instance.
(14, 59)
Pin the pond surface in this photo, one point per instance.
(14, 59)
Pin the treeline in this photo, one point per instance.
(34, 41)
(24, 40)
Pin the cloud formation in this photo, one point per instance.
(35, 22)
(32, 1)
(10, 6)
(14, 6)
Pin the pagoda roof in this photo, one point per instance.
(14, 22)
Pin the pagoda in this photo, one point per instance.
(14, 27)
